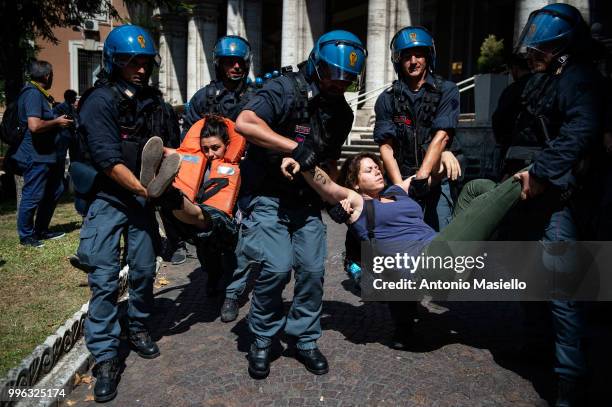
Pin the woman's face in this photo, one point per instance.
(370, 179)
(213, 147)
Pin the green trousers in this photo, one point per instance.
(480, 208)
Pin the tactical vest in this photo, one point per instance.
(137, 122)
(305, 125)
(214, 98)
(413, 129)
(221, 189)
(537, 123)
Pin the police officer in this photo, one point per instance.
(415, 122)
(560, 123)
(302, 114)
(229, 91)
(117, 117)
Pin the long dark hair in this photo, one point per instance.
(349, 173)
(215, 127)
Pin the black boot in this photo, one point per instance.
(570, 392)
(313, 360)
(229, 310)
(259, 362)
(107, 375)
(144, 346)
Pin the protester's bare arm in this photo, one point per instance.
(389, 161)
(324, 186)
(257, 131)
(126, 178)
(405, 184)
(38, 125)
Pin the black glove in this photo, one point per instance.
(338, 214)
(305, 156)
(419, 188)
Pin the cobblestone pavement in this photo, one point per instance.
(463, 360)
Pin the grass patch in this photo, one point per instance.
(39, 289)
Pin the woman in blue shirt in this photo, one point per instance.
(398, 218)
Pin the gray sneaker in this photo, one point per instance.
(179, 256)
(152, 154)
(167, 172)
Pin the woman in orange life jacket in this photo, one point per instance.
(203, 196)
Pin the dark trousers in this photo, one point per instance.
(43, 185)
(99, 248)
(284, 238)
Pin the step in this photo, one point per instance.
(360, 148)
(363, 142)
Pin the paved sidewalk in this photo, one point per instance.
(203, 361)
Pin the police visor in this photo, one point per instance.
(545, 32)
(124, 60)
(335, 73)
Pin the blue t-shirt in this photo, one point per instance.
(40, 147)
(401, 220)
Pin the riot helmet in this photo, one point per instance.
(337, 56)
(412, 37)
(232, 46)
(557, 30)
(125, 43)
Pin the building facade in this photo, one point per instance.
(282, 32)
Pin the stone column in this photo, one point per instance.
(385, 18)
(201, 39)
(244, 19)
(303, 23)
(173, 55)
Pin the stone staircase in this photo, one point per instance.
(361, 141)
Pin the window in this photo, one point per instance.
(89, 65)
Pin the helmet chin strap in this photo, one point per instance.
(560, 63)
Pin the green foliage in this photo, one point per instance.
(28, 20)
(491, 59)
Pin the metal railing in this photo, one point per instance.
(354, 102)
(469, 82)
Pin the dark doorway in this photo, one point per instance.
(271, 34)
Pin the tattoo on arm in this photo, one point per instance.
(319, 176)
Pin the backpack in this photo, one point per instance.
(11, 131)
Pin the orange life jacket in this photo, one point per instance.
(221, 189)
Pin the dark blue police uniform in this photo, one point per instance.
(282, 227)
(105, 122)
(571, 105)
(38, 159)
(215, 98)
(402, 116)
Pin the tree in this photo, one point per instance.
(25, 20)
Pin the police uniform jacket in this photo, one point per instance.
(226, 103)
(393, 124)
(277, 103)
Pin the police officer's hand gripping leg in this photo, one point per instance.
(112, 145)
(303, 115)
